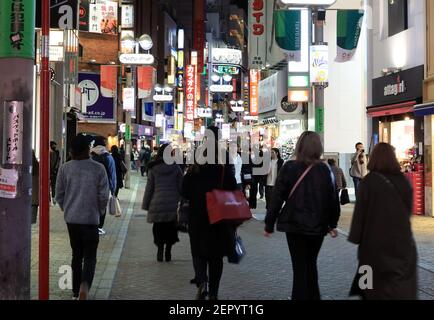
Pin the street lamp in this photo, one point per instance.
(237, 106)
(145, 42)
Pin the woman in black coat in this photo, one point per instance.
(382, 229)
(309, 213)
(118, 163)
(209, 243)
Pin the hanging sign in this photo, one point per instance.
(349, 27)
(257, 17)
(63, 14)
(190, 92)
(140, 58)
(319, 64)
(13, 132)
(288, 33)
(255, 76)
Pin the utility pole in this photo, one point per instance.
(128, 150)
(318, 16)
(17, 23)
(44, 169)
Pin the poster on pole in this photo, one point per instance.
(8, 183)
(349, 28)
(109, 79)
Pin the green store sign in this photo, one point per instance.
(17, 29)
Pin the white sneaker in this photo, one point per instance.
(101, 231)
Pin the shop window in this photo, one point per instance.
(397, 16)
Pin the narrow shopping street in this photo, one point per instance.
(127, 268)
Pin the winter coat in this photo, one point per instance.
(119, 174)
(208, 241)
(341, 183)
(359, 165)
(382, 229)
(313, 208)
(101, 155)
(162, 192)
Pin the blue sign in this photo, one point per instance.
(98, 108)
(169, 109)
(148, 111)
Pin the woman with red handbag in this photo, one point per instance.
(209, 242)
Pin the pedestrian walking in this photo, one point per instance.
(209, 243)
(306, 186)
(247, 176)
(120, 169)
(100, 154)
(161, 198)
(238, 164)
(381, 227)
(54, 168)
(35, 187)
(258, 181)
(135, 159)
(341, 182)
(144, 158)
(275, 166)
(359, 165)
(82, 194)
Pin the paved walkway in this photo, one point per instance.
(109, 250)
(265, 273)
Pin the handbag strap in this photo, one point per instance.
(393, 186)
(300, 180)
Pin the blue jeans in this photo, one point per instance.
(356, 185)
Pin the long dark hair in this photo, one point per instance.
(279, 157)
(383, 159)
(309, 148)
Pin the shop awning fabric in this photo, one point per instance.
(424, 109)
(390, 110)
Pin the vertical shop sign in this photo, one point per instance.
(199, 32)
(257, 36)
(84, 15)
(190, 92)
(13, 132)
(254, 94)
(127, 16)
(103, 17)
(17, 29)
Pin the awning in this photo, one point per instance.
(393, 109)
(424, 109)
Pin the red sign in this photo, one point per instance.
(145, 81)
(258, 27)
(109, 78)
(254, 94)
(199, 32)
(190, 92)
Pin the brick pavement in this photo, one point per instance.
(109, 250)
(264, 274)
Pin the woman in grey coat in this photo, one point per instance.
(161, 199)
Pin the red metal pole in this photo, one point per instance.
(44, 176)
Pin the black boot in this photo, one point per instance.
(168, 252)
(160, 252)
(202, 292)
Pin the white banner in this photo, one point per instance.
(272, 91)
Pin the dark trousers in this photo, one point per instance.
(215, 267)
(304, 254)
(34, 213)
(356, 185)
(143, 170)
(53, 178)
(84, 241)
(257, 185)
(268, 196)
(102, 219)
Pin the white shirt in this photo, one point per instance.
(238, 163)
(272, 174)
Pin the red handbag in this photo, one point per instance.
(223, 205)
